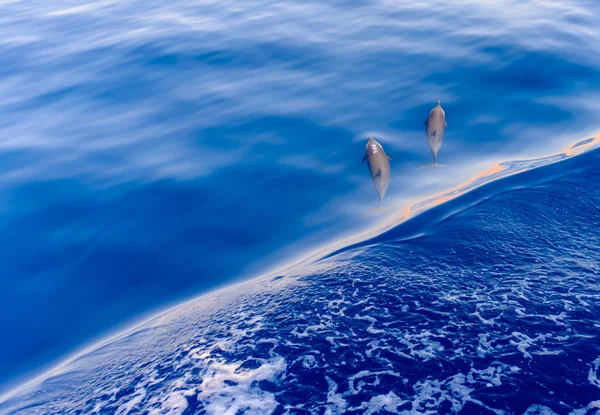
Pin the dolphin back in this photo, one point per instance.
(435, 126)
(379, 167)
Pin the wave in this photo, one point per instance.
(144, 139)
(407, 224)
(416, 230)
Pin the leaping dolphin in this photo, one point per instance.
(379, 166)
(434, 128)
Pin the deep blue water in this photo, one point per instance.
(151, 151)
(487, 303)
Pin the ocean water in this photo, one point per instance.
(153, 151)
(486, 303)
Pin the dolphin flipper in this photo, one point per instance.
(445, 124)
(364, 159)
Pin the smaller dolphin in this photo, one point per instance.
(379, 166)
(434, 128)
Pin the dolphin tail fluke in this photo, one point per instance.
(432, 166)
(376, 210)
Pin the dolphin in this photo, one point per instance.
(379, 166)
(434, 128)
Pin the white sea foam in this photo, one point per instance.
(226, 389)
(389, 402)
(593, 373)
(539, 410)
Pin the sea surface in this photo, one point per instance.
(153, 151)
(484, 299)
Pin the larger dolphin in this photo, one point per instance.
(434, 128)
(379, 166)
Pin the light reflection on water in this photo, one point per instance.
(153, 150)
(496, 172)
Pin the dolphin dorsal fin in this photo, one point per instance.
(433, 134)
